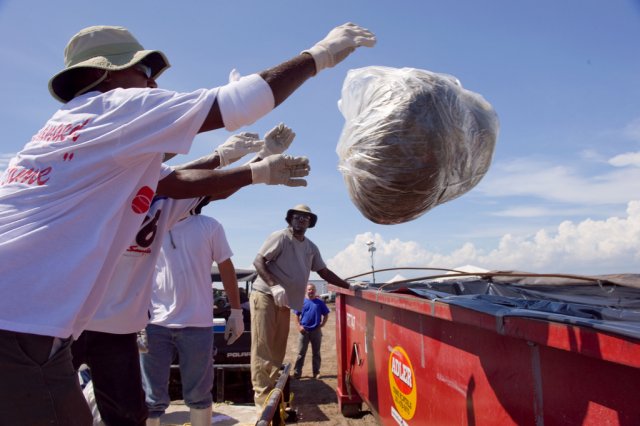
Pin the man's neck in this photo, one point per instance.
(297, 235)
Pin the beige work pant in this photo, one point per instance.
(269, 333)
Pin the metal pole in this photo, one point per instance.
(372, 249)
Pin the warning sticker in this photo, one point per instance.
(402, 383)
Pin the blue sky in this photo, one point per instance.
(563, 190)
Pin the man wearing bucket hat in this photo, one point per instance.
(283, 263)
(79, 189)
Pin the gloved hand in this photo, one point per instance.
(237, 146)
(358, 285)
(280, 296)
(277, 140)
(234, 75)
(339, 43)
(234, 327)
(280, 169)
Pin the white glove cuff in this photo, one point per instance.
(223, 161)
(321, 56)
(235, 313)
(264, 152)
(259, 172)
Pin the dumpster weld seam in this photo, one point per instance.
(500, 320)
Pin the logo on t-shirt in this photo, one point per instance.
(142, 200)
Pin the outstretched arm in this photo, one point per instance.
(274, 170)
(286, 78)
(184, 181)
(329, 276)
(192, 183)
(283, 79)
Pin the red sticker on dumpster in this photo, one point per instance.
(402, 383)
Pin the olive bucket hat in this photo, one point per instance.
(301, 208)
(105, 48)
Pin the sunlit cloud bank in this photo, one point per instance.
(587, 247)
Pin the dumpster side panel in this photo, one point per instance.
(435, 364)
(587, 391)
(463, 374)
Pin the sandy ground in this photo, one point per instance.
(314, 400)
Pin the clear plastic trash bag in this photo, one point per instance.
(412, 139)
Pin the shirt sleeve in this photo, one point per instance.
(325, 310)
(317, 263)
(219, 244)
(152, 120)
(272, 247)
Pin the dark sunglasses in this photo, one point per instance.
(144, 69)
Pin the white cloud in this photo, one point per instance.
(587, 247)
(548, 181)
(626, 159)
(550, 210)
(524, 211)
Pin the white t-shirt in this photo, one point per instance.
(124, 307)
(182, 295)
(73, 197)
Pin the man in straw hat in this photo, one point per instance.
(283, 264)
(73, 197)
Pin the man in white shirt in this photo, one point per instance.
(73, 197)
(182, 313)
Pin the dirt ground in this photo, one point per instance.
(315, 400)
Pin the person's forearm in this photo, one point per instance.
(330, 277)
(286, 78)
(192, 183)
(283, 79)
(261, 268)
(230, 282)
(211, 161)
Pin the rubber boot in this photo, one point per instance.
(153, 422)
(200, 416)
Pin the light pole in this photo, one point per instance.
(372, 249)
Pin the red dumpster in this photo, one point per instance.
(492, 350)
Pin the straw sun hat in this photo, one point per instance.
(101, 47)
(301, 208)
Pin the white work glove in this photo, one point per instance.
(237, 146)
(234, 75)
(280, 296)
(277, 140)
(234, 327)
(280, 169)
(358, 285)
(339, 43)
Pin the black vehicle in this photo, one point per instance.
(232, 379)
